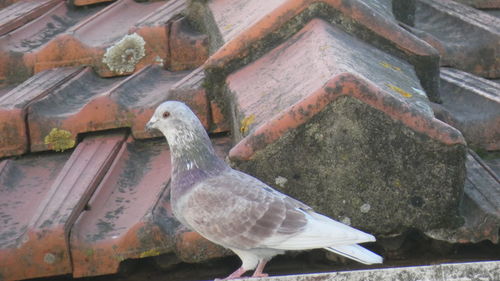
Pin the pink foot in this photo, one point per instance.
(235, 275)
(258, 271)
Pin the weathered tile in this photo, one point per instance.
(191, 87)
(68, 105)
(19, 48)
(13, 104)
(466, 38)
(359, 119)
(22, 12)
(118, 40)
(188, 48)
(129, 215)
(89, 103)
(241, 31)
(52, 191)
(87, 2)
(472, 105)
(481, 4)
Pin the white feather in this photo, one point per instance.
(357, 253)
(320, 232)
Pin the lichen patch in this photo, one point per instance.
(59, 140)
(122, 57)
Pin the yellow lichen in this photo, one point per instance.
(245, 124)
(388, 65)
(59, 140)
(399, 90)
(150, 253)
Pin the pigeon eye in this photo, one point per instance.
(166, 114)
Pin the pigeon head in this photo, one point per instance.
(186, 136)
(171, 116)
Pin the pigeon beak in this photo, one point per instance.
(150, 126)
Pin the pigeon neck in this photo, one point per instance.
(193, 150)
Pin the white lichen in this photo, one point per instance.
(346, 220)
(281, 181)
(123, 56)
(365, 208)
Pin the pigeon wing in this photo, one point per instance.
(236, 210)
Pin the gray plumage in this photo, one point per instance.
(238, 211)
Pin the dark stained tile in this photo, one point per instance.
(120, 39)
(480, 207)
(19, 48)
(68, 104)
(13, 105)
(467, 39)
(52, 190)
(472, 105)
(129, 215)
(22, 12)
(89, 103)
(87, 2)
(481, 4)
(188, 48)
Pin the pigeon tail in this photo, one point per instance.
(357, 253)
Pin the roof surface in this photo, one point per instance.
(84, 187)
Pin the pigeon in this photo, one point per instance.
(237, 210)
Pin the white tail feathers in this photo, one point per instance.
(357, 253)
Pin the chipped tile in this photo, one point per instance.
(13, 105)
(59, 185)
(466, 38)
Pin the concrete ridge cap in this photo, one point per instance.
(236, 46)
(463, 271)
(303, 110)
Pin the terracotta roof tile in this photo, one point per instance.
(18, 49)
(101, 42)
(245, 29)
(129, 215)
(88, 103)
(472, 105)
(13, 105)
(39, 246)
(467, 39)
(87, 2)
(188, 49)
(22, 12)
